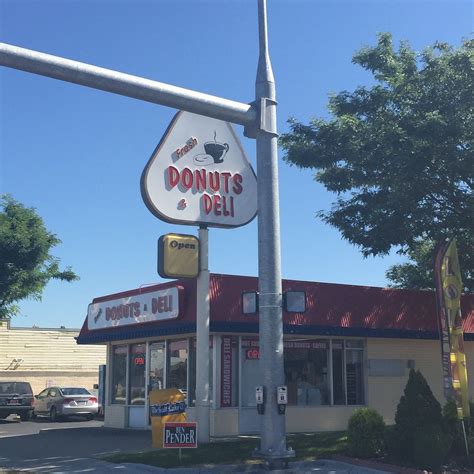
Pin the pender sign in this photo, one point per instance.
(199, 174)
(180, 435)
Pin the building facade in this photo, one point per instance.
(352, 347)
(48, 357)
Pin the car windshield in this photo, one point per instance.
(74, 391)
(20, 388)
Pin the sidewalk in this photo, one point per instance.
(80, 450)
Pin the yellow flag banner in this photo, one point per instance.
(448, 298)
(166, 406)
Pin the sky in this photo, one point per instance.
(76, 154)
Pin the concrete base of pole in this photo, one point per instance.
(275, 462)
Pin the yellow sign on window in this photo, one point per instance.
(178, 256)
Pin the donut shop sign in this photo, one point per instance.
(199, 174)
(136, 309)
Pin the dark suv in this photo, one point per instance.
(16, 398)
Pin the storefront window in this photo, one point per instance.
(178, 364)
(137, 374)
(251, 376)
(306, 372)
(157, 366)
(119, 374)
(355, 373)
(338, 385)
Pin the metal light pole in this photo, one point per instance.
(259, 120)
(202, 339)
(272, 431)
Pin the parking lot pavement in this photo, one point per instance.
(72, 446)
(13, 427)
(40, 446)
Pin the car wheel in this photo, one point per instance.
(53, 414)
(25, 416)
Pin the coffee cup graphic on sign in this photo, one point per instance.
(216, 150)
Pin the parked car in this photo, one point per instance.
(16, 398)
(58, 402)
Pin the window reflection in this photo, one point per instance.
(137, 374)
(119, 374)
(157, 366)
(177, 364)
(306, 372)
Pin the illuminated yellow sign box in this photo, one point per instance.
(178, 256)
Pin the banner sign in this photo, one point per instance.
(167, 409)
(137, 309)
(448, 298)
(288, 344)
(199, 174)
(226, 371)
(166, 406)
(180, 435)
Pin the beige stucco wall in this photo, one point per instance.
(311, 419)
(46, 357)
(224, 422)
(384, 392)
(116, 416)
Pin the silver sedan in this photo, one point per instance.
(58, 402)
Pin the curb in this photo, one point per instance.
(379, 465)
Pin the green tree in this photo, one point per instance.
(26, 265)
(419, 432)
(399, 157)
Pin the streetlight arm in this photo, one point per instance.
(125, 84)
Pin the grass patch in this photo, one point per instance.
(239, 451)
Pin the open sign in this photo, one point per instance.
(252, 354)
(139, 360)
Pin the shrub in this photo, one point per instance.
(417, 410)
(452, 426)
(431, 447)
(366, 433)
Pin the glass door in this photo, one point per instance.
(156, 375)
(156, 371)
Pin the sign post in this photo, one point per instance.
(199, 174)
(259, 120)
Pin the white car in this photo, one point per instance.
(58, 402)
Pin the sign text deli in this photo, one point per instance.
(199, 174)
(148, 306)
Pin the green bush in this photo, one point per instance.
(417, 410)
(366, 433)
(431, 447)
(452, 426)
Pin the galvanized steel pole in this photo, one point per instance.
(273, 428)
(125, 84)
(202, 339)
